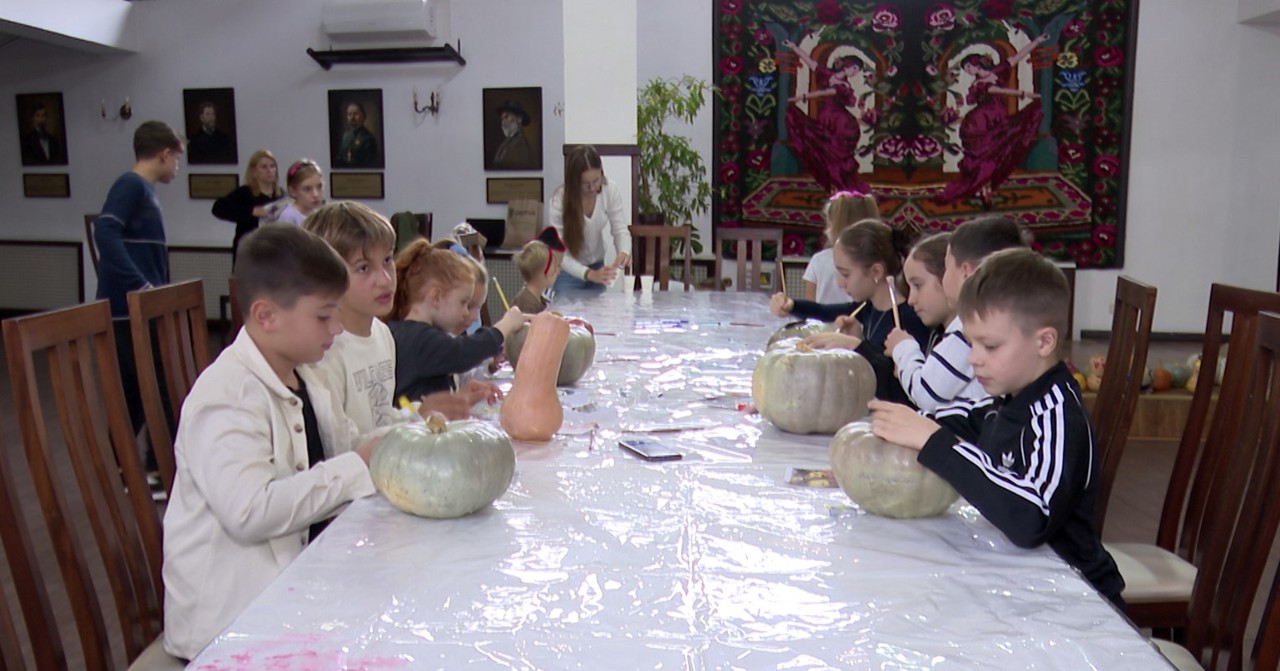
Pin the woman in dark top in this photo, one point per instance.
(248, 203)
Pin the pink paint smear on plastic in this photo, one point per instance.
(269, 656)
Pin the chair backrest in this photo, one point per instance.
(1238, 538)
(1266, 651)
(89, 220)
(471, 243)
(98, 443)
(29, 585)
(748, 244)
(237, 319)
(175, 314)
(1197, 482)
(1121, 381)
(655, 241)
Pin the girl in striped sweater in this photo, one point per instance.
(939, 372)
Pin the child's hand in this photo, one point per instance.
(849, 326)
(832, 341)
(451, 405)
(366, 449)
(496, 362)
(478, 390)
(605, 275)
(895, 336)
(900, 425)
(780, 305)
(621, 261)
(511, 322)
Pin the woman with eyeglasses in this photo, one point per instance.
(251, 202)
(305, 180)
(584, 211)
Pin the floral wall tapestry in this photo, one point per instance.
(945, 110)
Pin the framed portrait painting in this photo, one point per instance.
(513, 129)
(210, 117)
(42, 130)
(355, 129)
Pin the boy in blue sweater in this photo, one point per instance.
(129, 234)
(1025, 458)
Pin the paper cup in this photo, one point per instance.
(646, 284)
(620, 283)
(628, 284)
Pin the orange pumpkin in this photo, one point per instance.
(1161, 380)
(532, 410)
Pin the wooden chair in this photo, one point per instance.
(1267, 646)
(1121, 381)
(89, 220)
(471, 243)
(237, 319)
(655, 243)
(1159, 578)
(175, 313)
(42, 637)
(112, 498)
(1238, 538)
(748, 243)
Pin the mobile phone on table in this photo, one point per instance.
(650, 449)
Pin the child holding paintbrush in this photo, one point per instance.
(867, 262)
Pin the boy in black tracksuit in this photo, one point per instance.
(1025, 458)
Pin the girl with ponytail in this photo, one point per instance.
(434, 289)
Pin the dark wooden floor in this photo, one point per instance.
(1133, 515)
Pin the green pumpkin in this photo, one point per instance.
(800, 329)
(803, 390)
(886, 479)
(579, 352)
(443, 470)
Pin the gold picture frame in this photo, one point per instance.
(46, 185)
(356, 185)
(502, 190)
(209, 186)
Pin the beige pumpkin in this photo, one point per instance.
(800, 329)
(803, 390)
(579, 352)
(886, 479)
(443, 470)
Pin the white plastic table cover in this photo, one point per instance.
(595, 559)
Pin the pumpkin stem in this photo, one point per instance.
(437, 422)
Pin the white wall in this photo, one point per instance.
(1204, 195)
(1204, 205)
(259, 48)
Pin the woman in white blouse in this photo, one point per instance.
(585, 209)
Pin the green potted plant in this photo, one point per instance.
(673, 183)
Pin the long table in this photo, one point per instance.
(595, 559)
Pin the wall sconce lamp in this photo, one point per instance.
(124, 113)
(433, 104)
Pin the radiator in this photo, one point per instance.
(210, 265)
(38, 275)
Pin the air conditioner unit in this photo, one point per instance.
(366, 20)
